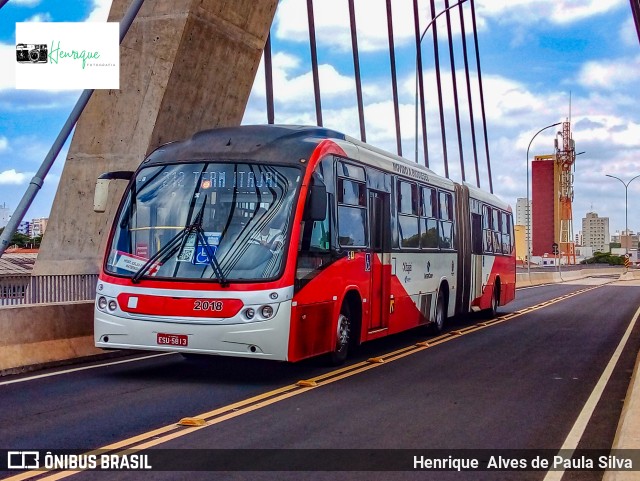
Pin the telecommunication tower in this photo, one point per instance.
(564, 169)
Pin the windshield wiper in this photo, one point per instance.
(213, 262)
(196, 227)
(177, 244)
(166, 251)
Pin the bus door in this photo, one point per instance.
(378, 259)
(477, 258)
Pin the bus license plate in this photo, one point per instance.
(173, 339)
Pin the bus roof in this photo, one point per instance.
(268, 142)
(479, 194)
(264, 141)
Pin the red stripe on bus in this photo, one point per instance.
(179, 306)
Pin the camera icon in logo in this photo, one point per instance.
(31, 53)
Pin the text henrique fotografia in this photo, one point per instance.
(56, 53)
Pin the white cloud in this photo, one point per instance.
(25, 3)
(554, 11)
(610, 74)
(4, 143)
(296, 87)
(7, 66)
(40, 17)
(13, 177)
(100, 11)
(332, 25)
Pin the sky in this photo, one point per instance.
(542, 62)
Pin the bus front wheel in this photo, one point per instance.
(343, 338)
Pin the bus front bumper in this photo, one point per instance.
(266, 339)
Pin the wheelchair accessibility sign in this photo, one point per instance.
(202, 253)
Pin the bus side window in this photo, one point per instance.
(408, 222)
(476, 234)
(352, 213)
(446, 221)
(319, 238)
(487, 226)
(352, 226)
(506, 233)
(429, 235)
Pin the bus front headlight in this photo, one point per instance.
(102, 303)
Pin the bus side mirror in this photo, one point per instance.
(317, 203)
(101, 194)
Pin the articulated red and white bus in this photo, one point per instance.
(284, 242)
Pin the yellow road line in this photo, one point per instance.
(216, 416)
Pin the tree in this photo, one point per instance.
(604, 258)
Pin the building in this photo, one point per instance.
(627, 240)
(38, 226)
(584, 252)
(543, 232)
(522, 219)
(23, 228)
(595, 232)
(521, 246)
(579, 240)
(4, 214)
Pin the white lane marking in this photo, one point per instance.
(66, 371)
(574, 436)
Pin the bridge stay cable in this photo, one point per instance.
(268, 78)
(484, 116)
(356, 70)
(394, 80)
(314, 62)
(436, 56)
(469, 96)
(454, 83)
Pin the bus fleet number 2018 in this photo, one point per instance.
(199, 305)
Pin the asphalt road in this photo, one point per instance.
(517, 384)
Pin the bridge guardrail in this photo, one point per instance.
(21, 290)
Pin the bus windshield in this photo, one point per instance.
(215, 221)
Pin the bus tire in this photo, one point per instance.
(343, 339)
(440, 315)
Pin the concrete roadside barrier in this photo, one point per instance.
(549, 277)
(41, 334)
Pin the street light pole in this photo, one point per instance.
(433, 20)
(626, 218)
(528, 232)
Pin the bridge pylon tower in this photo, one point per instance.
(564, 173)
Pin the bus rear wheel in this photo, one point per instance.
(343, 338)
(438, 323)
